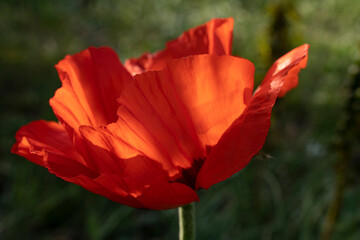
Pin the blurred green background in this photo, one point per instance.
(307, 189)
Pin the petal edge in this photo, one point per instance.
(247, 134)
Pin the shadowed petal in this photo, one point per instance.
(214, 37)
(246, 135)
(160, 195)
(105, 150)
(136, 176)
(167, 195)
(137, 182)
(48, 144)
(107, 185)
(92, 80)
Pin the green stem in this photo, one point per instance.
(187, 222)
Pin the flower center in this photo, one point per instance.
(188, 175)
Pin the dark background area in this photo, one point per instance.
(307, 189)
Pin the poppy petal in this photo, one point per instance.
(174, 113)
(137, 176)
(214, 37)
(292, 79)
(161, 195)
(246, 135)
(92, 80)
(167, 195)
(101, 144)
(107, 185)
(141, 183)
(48, 144)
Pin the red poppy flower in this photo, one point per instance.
(152, 140)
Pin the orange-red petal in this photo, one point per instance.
(140, 182)
(107, 185)
(246, 135)
(100, 143)
(214, 37)
(48, 144)
(173, 114)
(292, 79)
(167, 195)
(161, 195)
(137, 176)
(92, 80)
